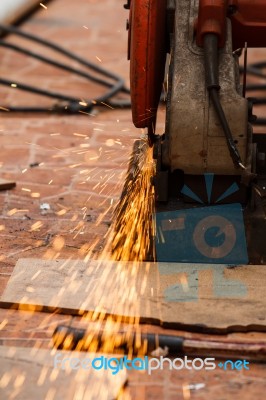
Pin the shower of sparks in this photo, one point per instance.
(132, 231)
(128, 238)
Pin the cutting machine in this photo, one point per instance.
(208, 155)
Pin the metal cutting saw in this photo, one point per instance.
(210, 179)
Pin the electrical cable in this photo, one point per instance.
(212, 83)
(73, 104)
(144, 344)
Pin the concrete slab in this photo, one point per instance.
(29, 374)
(203, 298)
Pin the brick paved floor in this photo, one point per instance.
(63, 161)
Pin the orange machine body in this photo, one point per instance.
(147, 44)
(147, 53)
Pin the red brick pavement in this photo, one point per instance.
(74, 155)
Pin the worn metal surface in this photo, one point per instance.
(195, 141)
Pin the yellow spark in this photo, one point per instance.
(184, 282)
(98, 59)
(30, 289)
(24, 170)
(4, 109)
(2, 227)
(37, 225)
(49, 183)
(83, 103)
(84, 145)
(54, 375)
(42, 376)
(43, 6)
(107, 105)
(14, 211)
(74, 218)
(86, 113)
(14, 85)
(35, 194)
(85, 27)
(19, 381)
(74, 165)
(5, 379)
(61, 212)
(26, 190)
(58, 243)
(186, 392)
(3, 323)
(79, 134)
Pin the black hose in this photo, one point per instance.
(115, 88)
(59, 49)
(36, 90)
(212, 84)
(73, 105)
(76, 339)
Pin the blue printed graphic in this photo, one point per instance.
(221, 285)
(207, 234)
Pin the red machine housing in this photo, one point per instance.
(147, 53)
(249, 23)
(248, 19)
(147, 44)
